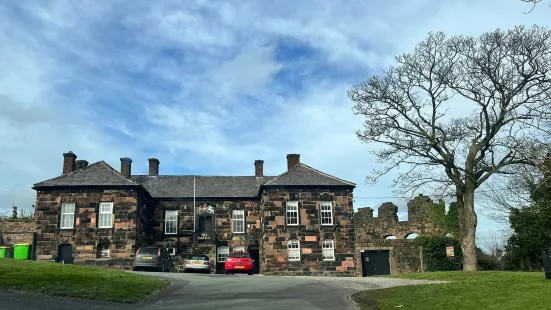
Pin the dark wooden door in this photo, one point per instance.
(255, 256)
(375, 263)
(65, 254)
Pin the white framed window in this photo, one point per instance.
(328, 250)
(291, 216)
(171, 222)
(67, 215)
(326, 213)
(104, 250)
(239, 248)
(238, 221)
(293, 250)
(223, 252)
(105, 215)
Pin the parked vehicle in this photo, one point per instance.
(157, 258)
(240, 262)
(200, 263)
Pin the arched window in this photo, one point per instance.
(293, 250)
(390, 237)
(223, 252)
(412, 236)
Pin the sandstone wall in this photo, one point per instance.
(187, 242)
(85, 236)
(18, 231)
(309, 232)
(371, 233)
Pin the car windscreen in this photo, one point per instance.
(148, 251)
(239, 255)
(199, 258)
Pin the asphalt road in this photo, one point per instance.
(206, 292)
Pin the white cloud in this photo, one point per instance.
(195, 84)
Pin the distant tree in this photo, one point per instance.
(502, 77)
(530, 226)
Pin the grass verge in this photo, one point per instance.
(44, 278)
(468, 290)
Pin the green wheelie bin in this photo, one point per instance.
(21, 251)
(4, 251)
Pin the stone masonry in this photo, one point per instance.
(371, 233)
(86, 236)
(309, 232)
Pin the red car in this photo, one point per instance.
(239, 262)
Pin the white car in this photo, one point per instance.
(200, 263)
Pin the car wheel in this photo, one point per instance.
(250, 273)
(226, 272)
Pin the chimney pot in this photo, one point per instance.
(153, 167)
(69, 164)
(126, 167)
(292, 161)
(259, 168)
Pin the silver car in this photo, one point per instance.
(200, 263)
(152, 257)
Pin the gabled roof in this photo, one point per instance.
(304, 175)
(96, 174)
(169, 186)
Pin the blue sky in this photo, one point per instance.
(208, 86)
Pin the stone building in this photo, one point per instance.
(383, 244)
(300, 222)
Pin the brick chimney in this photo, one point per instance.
(292, 160)
(69, 160)
(153, 167)
(259, 168)
(126, 167)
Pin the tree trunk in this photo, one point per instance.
(467, 226)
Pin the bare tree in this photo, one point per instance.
(501, 79)
(534, 2)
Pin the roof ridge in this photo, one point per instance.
(327, 175)
(116, 172)
(70, 173)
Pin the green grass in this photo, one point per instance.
(468, 290)
(44, 278)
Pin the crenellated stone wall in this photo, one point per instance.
(371, 233)
(86, 236)
(309, 232)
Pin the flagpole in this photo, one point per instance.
(194, 206)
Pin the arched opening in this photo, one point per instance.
(390, 237)
(65, 254)
(412, 236)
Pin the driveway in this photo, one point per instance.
(228, 292)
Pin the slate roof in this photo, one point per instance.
(178, 186)
(205, 186)
(96, 174)
(305, 175)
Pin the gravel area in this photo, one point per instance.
(367, 283)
